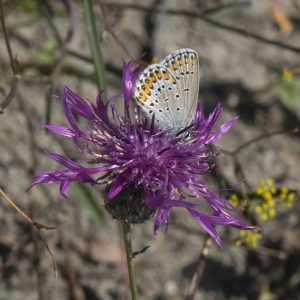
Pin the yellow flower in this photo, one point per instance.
(287, 75)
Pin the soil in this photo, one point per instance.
(237, 71)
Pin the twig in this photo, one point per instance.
(203, 15)
(229, 242)
(135, 253)
(200, 268)
(248, 34)
(63, 43)
(32, 140)
(259, 138)
(36, 225)
(37, 257)
(181, 12)
(7, 43)
(13, 64)
(112, 33)
(10, 96)
(20, 212)
(75, 289)
(267, 251)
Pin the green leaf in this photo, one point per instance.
(288, 91)
(88, 202)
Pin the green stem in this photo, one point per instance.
(95, 46)
(128, 248)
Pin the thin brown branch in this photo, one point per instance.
(33, 145)
(7, 43)
(63, 47)
(200, 268)
(13, 64)
(10, 96)
(22, 214)
(181, 12)
(229, 242)
(204, 16)
(259, 138)
(75, 290)
(37, 226)
(248, 34)
(112, 33)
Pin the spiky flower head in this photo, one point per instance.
(131, 156)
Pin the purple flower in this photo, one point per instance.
(127, 150)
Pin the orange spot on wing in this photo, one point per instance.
(142, 98)
(166, 76)
(173, 67)
(148, 85)
(158, 75)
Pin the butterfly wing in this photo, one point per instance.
(184, 66)
(169, 90)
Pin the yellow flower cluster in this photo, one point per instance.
(266, 190)
(264, 204)
(249, 238)
(237, 202)
(288, 74)
(287, 196)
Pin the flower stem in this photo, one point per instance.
(199, 269)
(128, 248)
(95, 46)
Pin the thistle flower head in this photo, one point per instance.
(128, 151)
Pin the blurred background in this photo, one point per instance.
(249, 57)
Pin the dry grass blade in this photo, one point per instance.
(36, 225)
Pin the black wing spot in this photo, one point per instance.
(192, 72)
(156, 101)
(163, 86)
(168, 108)
(151, 104)
(187, 72)
(159, 89)
(177, 96)
(186, 90)
(160, 110)
(150, 111)
(166, 99)
(170, 88)
(178, 108)
(177, 77)
(182, 73)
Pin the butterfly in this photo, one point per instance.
(169, 90)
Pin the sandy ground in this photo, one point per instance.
(236, 71)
